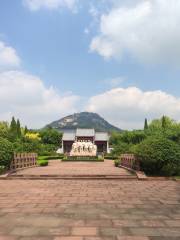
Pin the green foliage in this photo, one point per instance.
(121, 148)
(42, 163)
(159, 156)
(6, 152)
(4, 130)
(162, 123)
(59, 156)
(13, 129)
(117, 162)
(47, 149)
(25, 130)
(158, 146)
(100, 158)
(145, 124)
(83, 158)
(24, 140)
(51, 136)
(110, 156)
(2, 169)
(33, 145)
(13, 126)
(128, 137)
(18, 128)
(173, 134)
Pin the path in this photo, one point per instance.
(89, 210)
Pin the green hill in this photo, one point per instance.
(83, 120)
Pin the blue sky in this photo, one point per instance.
(103, 56)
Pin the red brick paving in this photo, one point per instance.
(89, 210)
(56, 167)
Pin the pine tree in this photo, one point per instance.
(25, 130)
(145, 124)
(13, 125)
(164, 122)
(13, 129)
(18, 127)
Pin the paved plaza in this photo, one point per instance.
(89, 210)
(56, 167)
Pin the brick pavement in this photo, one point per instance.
(89, 210)
(56, 167)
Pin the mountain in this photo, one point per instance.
(83, 120)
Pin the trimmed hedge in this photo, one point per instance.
(6, 152)
(61, 156)
(42, 163)
(159, 156)
(110, 157)
(83, 158)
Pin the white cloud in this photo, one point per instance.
(148, 30)
(128, 107)
(114, 82)
(8, 57)
(35, 5)
(26, 97)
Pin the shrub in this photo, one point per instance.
(42, 163)
(100, 158)
(6, 152)
(116, 162)
(121, 148)
(111, 157)
(2, 169)
(47, 150)
(159, 156)
(60, 156)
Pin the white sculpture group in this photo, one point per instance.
(83, 148)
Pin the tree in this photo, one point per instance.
(18, 128)
(13, 130)
(164, 122)
(25, 130)
(51, 136)
(145, 124)
(4, 130)
(13, 126)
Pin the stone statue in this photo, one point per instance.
(83, 148)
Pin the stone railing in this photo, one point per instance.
(130, 161)
(23, 160)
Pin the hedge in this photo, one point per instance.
(159, 156)
(42, 163)
(6, 152)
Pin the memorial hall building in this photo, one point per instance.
(100, 139)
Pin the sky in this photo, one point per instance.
(118, 58)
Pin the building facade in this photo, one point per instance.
(100, 139)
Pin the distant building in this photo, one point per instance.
(100, 139)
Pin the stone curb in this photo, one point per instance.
(141, 176)
(69, 177)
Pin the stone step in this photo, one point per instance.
(71, 177)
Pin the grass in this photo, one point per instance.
(177, 177)
(54, 157)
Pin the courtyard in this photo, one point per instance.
(60, 168)
(89, 210)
